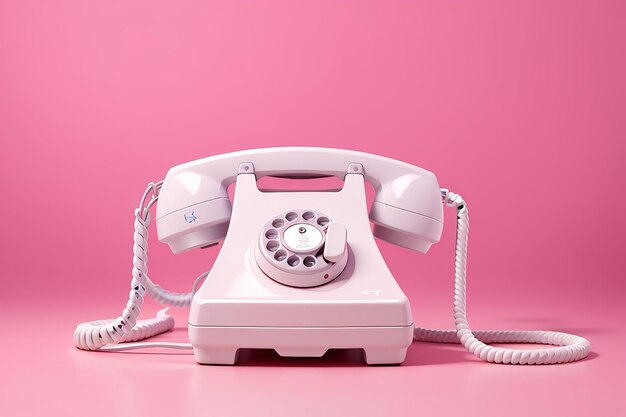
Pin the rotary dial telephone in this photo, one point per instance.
(300, 272)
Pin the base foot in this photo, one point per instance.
(384, 356)
(222, 356)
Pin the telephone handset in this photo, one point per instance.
(407, 210)
(300, 272)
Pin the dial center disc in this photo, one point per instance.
(303, 237)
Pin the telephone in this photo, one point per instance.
(300, 272)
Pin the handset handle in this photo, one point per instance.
(407, 204)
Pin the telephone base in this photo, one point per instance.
(214, 345)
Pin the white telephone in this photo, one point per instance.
(300, 272)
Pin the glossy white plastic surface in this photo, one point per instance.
(238, 306)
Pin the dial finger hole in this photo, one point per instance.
(280, 255)
(308, 215)
(278, 223)
(271, 234)
(272, 245)
(293, 260)
(291, 216)
(309, 261)
(323, 221)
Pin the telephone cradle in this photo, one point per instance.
(300, 271)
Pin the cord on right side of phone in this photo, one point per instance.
(570, 347)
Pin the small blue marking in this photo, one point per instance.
(190, 217)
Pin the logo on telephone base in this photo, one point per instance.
(372, 292)
(190, 217)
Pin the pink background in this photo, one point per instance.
(519, 106)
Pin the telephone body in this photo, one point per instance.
(300, 272)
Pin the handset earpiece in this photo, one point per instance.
(193, 210)
(408, 210)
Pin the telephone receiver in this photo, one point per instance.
(407, 210)
(300, 271)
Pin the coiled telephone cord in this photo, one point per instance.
(98, 335)
(570, 347)
(114, 334)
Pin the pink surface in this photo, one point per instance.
(519, 106)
